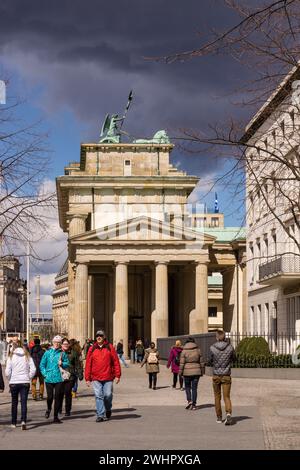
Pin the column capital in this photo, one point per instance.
(71, 215)
(157, 262)
(199, 262)
(117, 263)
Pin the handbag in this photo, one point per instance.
(65, 374)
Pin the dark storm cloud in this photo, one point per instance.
(89, 54)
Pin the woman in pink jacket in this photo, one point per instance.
(174, 361)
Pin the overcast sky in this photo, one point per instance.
(73, 61)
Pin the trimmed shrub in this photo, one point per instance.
(250, 360)
(255, 346)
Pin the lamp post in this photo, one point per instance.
(28, 294)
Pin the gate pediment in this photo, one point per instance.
(143, 230)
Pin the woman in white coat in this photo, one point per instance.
(20, 369)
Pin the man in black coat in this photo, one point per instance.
(221, 356)
(37, 353)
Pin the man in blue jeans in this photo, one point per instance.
(102, 368)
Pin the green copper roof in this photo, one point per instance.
(227, 234)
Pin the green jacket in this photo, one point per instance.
(76, 367)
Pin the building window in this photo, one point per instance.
(267, 319)
(215, 222)
(259, 325)
(274, 240)
(127, 167)
(212, 312)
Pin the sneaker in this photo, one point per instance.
(194, 407)
(41, 397)
(154, 388)
(13, 426)
(219, 420)
(228, 420)
(68, 413)
(182, 389)
(23, 426)
(108, 414)
(101, 419)
(189, 406)
(47, 414)
(57, 420)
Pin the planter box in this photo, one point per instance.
(262, 373)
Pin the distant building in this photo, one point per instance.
(12, 296)
(60, 301)
(209, 220)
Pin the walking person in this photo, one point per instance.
(174, 362)
(37, 353)
(151, 359)
(79, 367)
(20, 369)
(54, 359)
(190, 369)
(139, 351)
(221, 355)
(101, 369)
(75, 369)
(120, 353)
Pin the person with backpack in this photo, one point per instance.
(151, 359)
(20, 369)
(52, 365)
(221, 355)
(190, 368)
(139, 349)
(174, 362)
(37, 353)
(101, 369)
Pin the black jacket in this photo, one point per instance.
(37, 353)
(1, 379)
(221, 356)
(120, 348)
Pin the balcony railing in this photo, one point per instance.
(284, 264)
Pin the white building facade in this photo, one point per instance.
(272, 205)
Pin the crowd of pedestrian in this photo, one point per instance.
(59, 368)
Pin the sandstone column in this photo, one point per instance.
(121, 302)
(161, 318)
(81, 303)
(76, 226)
(90, 306)
(199, 315)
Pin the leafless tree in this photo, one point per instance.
(266, 40)
(24, 165)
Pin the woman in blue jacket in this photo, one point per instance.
(50, 365)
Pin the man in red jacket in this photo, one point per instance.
(102, 368)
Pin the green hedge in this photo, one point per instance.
(254, 346)
(262, 361)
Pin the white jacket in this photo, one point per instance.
(20, 369)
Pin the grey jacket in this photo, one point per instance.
(221, 356)
(190, 360)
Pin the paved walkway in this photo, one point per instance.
(266, 417)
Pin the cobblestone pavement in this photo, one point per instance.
(266, 417)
